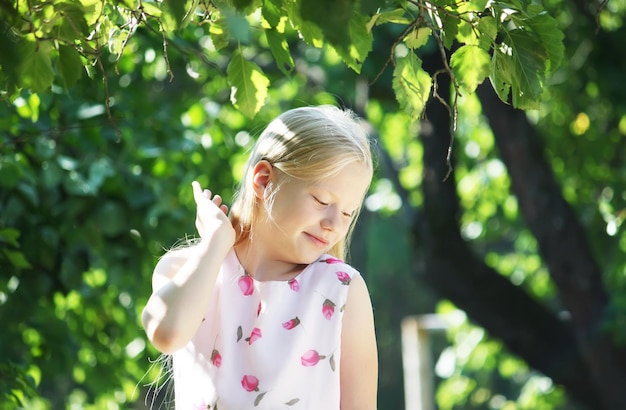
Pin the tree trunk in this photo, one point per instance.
(562, 244)
(506, 311)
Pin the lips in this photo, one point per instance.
(319, 241)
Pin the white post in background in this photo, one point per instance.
(417, 360)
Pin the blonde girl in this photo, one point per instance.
(262, 312)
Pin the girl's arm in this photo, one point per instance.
(184, 279)
(359, 356)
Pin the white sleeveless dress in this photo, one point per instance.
(267, 345)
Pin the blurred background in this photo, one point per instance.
(516, 245)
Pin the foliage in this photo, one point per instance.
(61, 39)
(111, 108)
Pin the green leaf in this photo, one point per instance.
(10, 236)
(551, 38)
(411, 84)
(177, 9)
(332, 17)
(37, 73)
(280, 50)
(361, 43)
(11, 55)
(501, 74)
(529, 59)
(450, 29)
(69, 65)
(488, 29)
(470, 65)
(17, 259)
(519, 66)
(310, 32)
(72, 24)
(248, 85)
(272, 12)
(152, 10)
(397, 16)
(219, 36)
(476, 5)
(417, 37)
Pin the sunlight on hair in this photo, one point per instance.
(161, 385)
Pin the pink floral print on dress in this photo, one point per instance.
(216, 358)
(246, 284)
(254, 335)
(328, 309)
(250, 383)
(311, 358)
(290, 324)
(294, 285)
(344, 278)
(246, 316)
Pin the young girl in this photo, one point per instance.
(261, 312)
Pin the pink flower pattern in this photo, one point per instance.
(216, 358)
(290, 324)
(294, 285)
(344, 278)
(328, 309)
(250, 383)
(246, 284)
(254, 335)
(311, 357)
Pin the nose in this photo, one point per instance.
(330, 220)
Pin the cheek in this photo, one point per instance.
(345, 227)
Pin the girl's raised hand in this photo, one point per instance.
(211, 216)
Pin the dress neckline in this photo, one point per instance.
(242, 270)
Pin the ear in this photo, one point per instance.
(262, 174)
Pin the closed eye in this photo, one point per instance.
(320, 202)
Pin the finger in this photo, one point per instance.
(217, 200)
(197, 190)
(224, 209)
(207, 193)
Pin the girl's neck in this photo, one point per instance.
(264, 268)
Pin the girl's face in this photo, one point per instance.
(308, 219)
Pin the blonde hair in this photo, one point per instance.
(308, 144)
